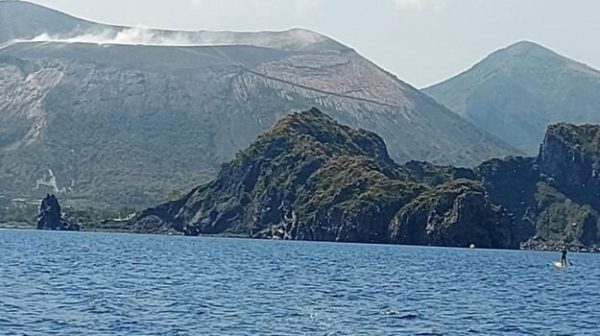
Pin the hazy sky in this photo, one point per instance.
(421, 41)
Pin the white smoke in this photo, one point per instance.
(133, 36)
(295, 38)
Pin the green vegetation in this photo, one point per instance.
(306, 163)
(562, 219)
(23, 214)
(18, 213)
(92, 219)
(309, 177)
(580, 138)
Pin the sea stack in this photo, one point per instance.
(50, 217)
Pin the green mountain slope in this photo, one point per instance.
(516, 92)
(310, 178)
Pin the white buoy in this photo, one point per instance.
(472, 246)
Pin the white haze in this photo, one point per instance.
(296, 38)
(134, 36)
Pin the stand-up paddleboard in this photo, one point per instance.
(558, 264)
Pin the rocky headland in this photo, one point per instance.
(311, 178)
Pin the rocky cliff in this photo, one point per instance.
(310, 178)
(553, 198)
(50, 216)
(457, 213)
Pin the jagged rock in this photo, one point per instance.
(308, 177)
(513, 183)
(554, 197)
(50, 216)
(570, 159)
(311, 178)
(457, 213)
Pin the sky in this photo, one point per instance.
(421, 41)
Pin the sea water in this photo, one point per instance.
(68, 283)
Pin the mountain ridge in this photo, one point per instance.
(515, 92)
(52, 25)
(104, 124)
(310, 178)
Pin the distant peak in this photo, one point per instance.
(528, 46)
(522, 54)
(534, 55)
(525, 44)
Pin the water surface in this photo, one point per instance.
(67, 283)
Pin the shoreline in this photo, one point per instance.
(543, 248)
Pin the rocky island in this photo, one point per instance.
(311, 178)
(50, 216)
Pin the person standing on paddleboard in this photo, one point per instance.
(563, 252)
(563, 256)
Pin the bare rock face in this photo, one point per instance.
(457, 213)
(570, 158)
(124, 124)
(50, 216)
(553, 199)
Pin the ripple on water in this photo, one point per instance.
(56, 283)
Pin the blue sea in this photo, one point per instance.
(67, 283)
